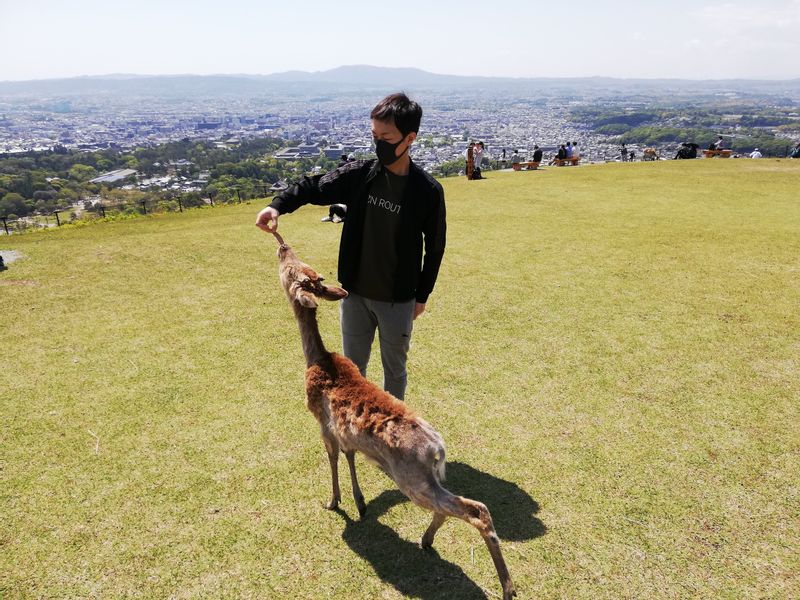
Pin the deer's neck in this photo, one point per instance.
(313, 347)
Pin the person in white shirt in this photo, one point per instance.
(478, 155)
(755, 154)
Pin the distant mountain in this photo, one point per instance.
(354, 78)
(369, 75)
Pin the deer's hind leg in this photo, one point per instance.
(437, 521)
(444, 504)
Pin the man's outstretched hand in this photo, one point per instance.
(267, 219)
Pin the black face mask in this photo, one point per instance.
(386, 151)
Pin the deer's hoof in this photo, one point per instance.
(362, 508)
(509, 592)
(333, 504)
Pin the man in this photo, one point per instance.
(755, 154)
(394, 210)
(537, 153)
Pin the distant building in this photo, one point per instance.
(113, 176)
(334, 151)
(297, 152)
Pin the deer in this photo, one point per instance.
(355, 415)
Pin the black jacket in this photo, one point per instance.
(424, 223)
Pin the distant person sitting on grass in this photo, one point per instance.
(717, 145)
(755, 154)
(560, 155)
(336, 213)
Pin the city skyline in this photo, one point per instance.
(686, 40)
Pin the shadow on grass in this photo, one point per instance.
(424, 574)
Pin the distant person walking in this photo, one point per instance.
(623, 153)
(478, 152)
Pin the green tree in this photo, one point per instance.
(15, 204)
(82, 173)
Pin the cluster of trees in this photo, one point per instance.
(744, 123)
(744, 141)
(45, 182)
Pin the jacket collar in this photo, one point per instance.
(377, 167)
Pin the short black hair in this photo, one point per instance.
(399, 108)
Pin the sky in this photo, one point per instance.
(689, 39)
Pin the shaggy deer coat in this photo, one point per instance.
(356, 415)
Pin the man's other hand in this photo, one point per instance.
(419, 308)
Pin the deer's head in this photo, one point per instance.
(302, 284)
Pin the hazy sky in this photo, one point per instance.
(691, 39)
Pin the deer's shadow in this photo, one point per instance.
(424, 574)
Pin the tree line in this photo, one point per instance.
(44, 182)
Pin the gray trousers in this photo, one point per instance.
(394, 322)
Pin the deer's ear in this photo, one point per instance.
(331, 292)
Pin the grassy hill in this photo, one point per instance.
(612, 354)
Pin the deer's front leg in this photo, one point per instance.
(332, 447)
(314, 401)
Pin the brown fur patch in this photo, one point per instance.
(358, 403)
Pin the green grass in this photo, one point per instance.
(612, 354)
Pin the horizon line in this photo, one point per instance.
(417, 69)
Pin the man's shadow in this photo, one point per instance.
(424, 574)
